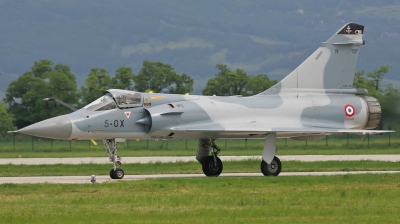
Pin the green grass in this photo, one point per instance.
(247, 166)
(32, 147)
(192, 152)
(326, 199)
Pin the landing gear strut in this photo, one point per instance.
(212, 165)
(116, 172)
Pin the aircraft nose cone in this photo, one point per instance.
(57, 128)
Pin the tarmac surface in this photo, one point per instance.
(102, 160)
(105, 178)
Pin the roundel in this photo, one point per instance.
(349, 110)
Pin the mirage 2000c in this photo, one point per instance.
(314, 100)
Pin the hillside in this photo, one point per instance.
(193, 36)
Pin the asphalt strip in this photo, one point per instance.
(105, 178)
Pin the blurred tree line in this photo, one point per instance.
(229, 83)
(388, 97)
(24, 104)
(24, 96)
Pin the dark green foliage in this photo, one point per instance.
(258, 84)
(123, 78)
(25, 95)
(97, 82)
(41, 68)
(6, 120)
(155, 76)
(388, 97)
(229, 83)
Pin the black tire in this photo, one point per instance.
(112, 174)
(210, 169)
(118, 174)
(272, 169)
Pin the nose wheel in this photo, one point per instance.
(116, 172)
(212, 165)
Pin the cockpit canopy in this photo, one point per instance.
(103, 103)
(116, 98)
(126, 98)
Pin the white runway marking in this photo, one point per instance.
(105, 178)
(103, 160)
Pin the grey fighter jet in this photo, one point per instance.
(315, 100)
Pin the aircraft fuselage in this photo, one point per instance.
(174, 117)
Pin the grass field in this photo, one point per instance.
(327, 199)
(247, 166)
(192, 152)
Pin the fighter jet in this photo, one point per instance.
(316, 99)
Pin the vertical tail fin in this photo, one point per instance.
(331, 66)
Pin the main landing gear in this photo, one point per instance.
(116, 172)
(272, 169)
(212, 165)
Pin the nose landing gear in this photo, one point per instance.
(212, 165)
(116, 172)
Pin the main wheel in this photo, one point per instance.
(118, 174)
(272, 169)
(210, 168)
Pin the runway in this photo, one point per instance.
(103, 160)
(105, 178)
